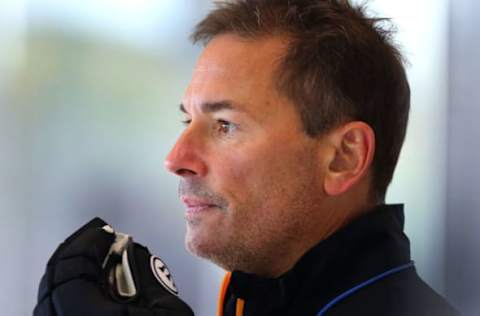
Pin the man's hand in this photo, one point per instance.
(97, 272)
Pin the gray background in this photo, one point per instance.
(463, 193)
(89, 94)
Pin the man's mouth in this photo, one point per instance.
(194, 206)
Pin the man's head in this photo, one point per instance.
(295, 114)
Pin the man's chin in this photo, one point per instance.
(221, 255)
(204, 248)
(201, 235)
(195, 244)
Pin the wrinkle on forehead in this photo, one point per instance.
(206, 68)
(210, 68)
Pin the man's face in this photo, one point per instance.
(249, 174)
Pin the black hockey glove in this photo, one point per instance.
(98, 272)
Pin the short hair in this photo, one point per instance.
(340, 65)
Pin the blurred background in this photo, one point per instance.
(89, 94)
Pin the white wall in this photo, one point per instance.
(463, 194)
(14, 234)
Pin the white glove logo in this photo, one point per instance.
(161, 272)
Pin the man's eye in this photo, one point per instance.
(186, 122)
(225, 127)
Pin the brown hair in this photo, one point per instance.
(340, 65)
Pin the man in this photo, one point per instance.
(295, 117)
(294, 120)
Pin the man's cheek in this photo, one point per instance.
(237, 177)
(237, 165)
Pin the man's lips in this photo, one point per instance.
(196, 205)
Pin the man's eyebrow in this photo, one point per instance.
(210, 107)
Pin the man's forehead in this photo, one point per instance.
(234, 69)
(204, 67)
(208, 70)
(229, 52)
(218, 61)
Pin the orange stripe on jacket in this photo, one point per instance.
(223, 292)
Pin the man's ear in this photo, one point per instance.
(353, 147)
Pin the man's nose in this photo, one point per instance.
(185, 158)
